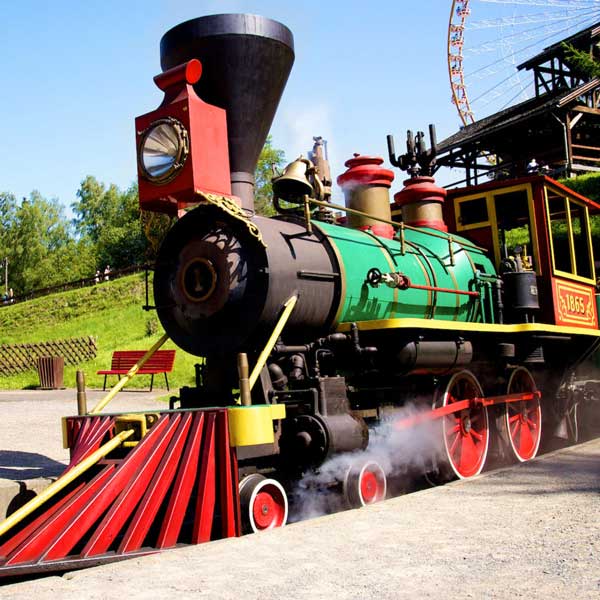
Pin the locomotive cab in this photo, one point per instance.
(537, 232)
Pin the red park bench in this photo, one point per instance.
(122, 360)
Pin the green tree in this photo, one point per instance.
(587, 185)
(269, 159)
(122, 242)
(109, 219)
(40, 245)
(96, 208)
(581, 62)
(8, 209)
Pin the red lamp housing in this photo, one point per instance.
(182, 146)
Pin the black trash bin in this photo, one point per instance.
(51, 371)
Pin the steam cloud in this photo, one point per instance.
(401, 453)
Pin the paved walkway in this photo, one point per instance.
(31, 451)
(528, 531)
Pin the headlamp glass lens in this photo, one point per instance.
(160, 150)
(163, 150)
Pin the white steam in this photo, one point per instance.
(297, 124)
(403, 454)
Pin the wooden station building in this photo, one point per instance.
(559, 126)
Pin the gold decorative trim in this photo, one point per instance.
(155, 226)
(231, 208)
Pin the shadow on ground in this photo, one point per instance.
(17, 465)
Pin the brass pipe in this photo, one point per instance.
(262, 359)
(81, 395)
(123, 382)
(402, 239)
(63, 481)
(451, 251)
(393, 223)
(307, 214)
(243, 370)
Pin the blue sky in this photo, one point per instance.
(75, 74)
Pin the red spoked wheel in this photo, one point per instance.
(466, 433)
(523, 420)
(365, 483)
(264, 503)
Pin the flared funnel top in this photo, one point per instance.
(246, 62)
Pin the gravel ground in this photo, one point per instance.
(529, 531)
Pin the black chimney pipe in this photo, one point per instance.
(246, 62)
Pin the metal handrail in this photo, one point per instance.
(446, 237)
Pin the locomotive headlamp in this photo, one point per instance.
(173, 170)
(163, 148)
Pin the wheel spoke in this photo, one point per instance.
(477, 435)
(481, 422)
(532, 424)
(514, 418)
(454, 444)
(526, 442)
(468, 456)
(452, 424)
(514, 429)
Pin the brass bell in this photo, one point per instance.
(293, 184)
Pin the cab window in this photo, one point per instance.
(559, 231)
(514, 226)
(570, 235)
(580, 240)
(472, 212)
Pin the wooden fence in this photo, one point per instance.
(16, 358)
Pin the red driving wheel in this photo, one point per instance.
(466, 433)
(523, 419)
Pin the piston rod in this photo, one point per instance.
(455, 407)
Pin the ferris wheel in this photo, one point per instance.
(488, 39)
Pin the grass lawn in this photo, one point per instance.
(111, 312)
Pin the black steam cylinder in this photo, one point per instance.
(246, 62)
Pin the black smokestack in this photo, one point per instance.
(246, 62)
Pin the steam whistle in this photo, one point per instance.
(421, 199)
(417, 160)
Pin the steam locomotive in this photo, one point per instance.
(427, 299)
(466, 314)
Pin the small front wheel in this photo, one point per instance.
(263, 502)
(364, 483)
